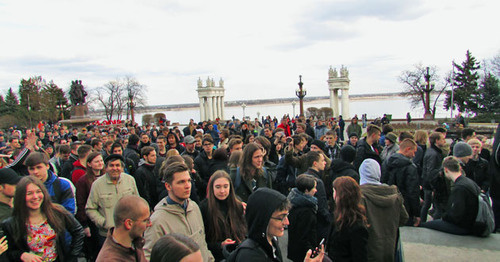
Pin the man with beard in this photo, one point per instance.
(124, 242)
(105, 193)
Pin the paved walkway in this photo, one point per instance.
(422, 244)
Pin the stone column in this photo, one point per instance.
(214, 107)
(217, 106)
(345, 104)
(222, 107)
(209, 108)
(202, 109)
(331, 98)
(336, 102)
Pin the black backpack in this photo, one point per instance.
(485, 219)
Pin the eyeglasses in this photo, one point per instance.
(207, 144)
(282, 218)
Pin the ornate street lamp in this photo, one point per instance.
(427, 88)
(131, 105)
(61, 106)
(301, 93)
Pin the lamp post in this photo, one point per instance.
(131, 105)
(293, 106)
(258, 115)
(61, 106)
(427, 88)
(243, 106)
(301, 93)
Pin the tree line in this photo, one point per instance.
(40, 100)
(471, 87)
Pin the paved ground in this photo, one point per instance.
(422, 244)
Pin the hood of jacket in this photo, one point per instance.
(398, 160)
(339, 165)
(260, 206)
(143, 162)
(299, 199)
(383, 196)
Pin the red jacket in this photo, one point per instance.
(78, 171)
(288, 132)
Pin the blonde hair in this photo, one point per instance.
(421, 137)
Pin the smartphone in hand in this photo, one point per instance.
(315, 252)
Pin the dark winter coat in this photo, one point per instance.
(494, 168)
(302, 229)
(131, 152)
(202, 166)
(340, 168)
(349, 243)
(146, 182)
(418, 160)
(324, 216)
(401, 171)
(244, 188)
(477, 170)
(364, 151)
(433, 159)
(463, 204)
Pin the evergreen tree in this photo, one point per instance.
(53, 98)
(465, 86)
(2, 105)
(11, 102)
(489, 95)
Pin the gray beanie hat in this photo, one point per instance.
(462, 149)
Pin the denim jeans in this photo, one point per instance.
(426, 205)
(446, 227)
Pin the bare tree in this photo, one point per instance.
(134, 94)
(110, 97)
(413, 85)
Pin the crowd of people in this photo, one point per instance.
(218, 190)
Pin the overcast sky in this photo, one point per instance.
(258, 47)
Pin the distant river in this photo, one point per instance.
(396, 106)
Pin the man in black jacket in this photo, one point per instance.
(145, 178)
(368, 147)
(316, 162)
(131, 151)
(399, 170)
(430, 173)
(462, 204)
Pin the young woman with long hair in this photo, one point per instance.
(349, 235)
(95, 169)
(222, 214)
(38, 229)
(251, 174)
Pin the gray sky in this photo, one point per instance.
(258, 47)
